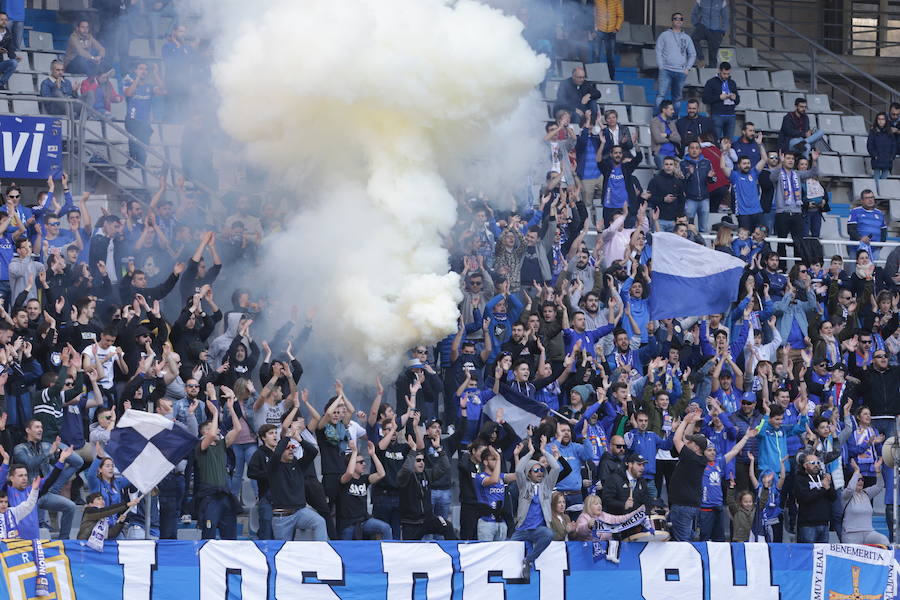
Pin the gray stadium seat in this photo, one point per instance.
(22, 83)
(854, 124)
(770, 101)
(783, 80)
(596, 71)
(853, 166)
(818, 103)
(610, 92)
(842, 144)
(747, 57)
(861, 142)
(889, 188)
(40, 40)
(624, 35)
(830, 124)
(648, 58)
(789, 97)
(830, 166)
(758, 80)
(26, 107)
(644, 134)
(813, 122)
(707, 73)
(566, 66)
(641, 114)
(551, 89)
(41, 61)
(749, 100)
(621, 110)
(693, 78)
(759, 119)
(644, 176)
(642, 34)
(634, 94)
(863, 183)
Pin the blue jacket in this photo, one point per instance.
(713, 14)
(791, 310)
(696, 173)
(576, 455)
(773, 443)
(723, 440)
(882, 147)
(646, 443)
(500, 326)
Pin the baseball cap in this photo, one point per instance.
(636, 458)
(699, 439)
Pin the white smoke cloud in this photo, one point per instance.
(360, 107)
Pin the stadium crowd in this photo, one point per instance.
(762, 422)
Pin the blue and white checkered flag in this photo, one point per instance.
(145, 447)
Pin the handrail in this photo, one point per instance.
(816, 54)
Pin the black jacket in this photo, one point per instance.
(792, 126)
(711, 92)
(257, 469)
(659, 187)
(287, 483)
(690, 129)
(879, 391)
(8, 44)
(569, 96)
(813, 501)
(415, 488)
(615, 494)
(610, 464)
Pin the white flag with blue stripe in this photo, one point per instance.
(519, 410)
(690, 280)
(145, 447)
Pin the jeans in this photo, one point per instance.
(73, 464)
(812, 534)
(386, 507)
(724, 126)
(370, 528)
(539, 537)
(18, 30)
(143, 132)
(62, 505)
(651, 487)
(700, 210)
(768, 219)
(217, 515)
(264, 510)
(683, 519)
(712, 526)
(669, 86)
(171, 494)
(440, 503)
(606, 44)
(7, 68)
(713, 40)
(491, 531)
(305, 518)
(242, 454)
(812, 139)
(812, 223)
(881, 174)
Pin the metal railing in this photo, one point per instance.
(839, 247)
(86, 151)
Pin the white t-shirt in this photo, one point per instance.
(106, 357)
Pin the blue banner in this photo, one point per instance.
(30, 147)
(247, 570)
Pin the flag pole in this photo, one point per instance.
(147, 516)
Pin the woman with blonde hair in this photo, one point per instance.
(560, 522)
(587, 526)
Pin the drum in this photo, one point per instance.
(646, 536)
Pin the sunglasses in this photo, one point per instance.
(13, 196)
(537, 470)
(678, 19)
(618, 445)
(865, 341)
(420, 460)
(106, 417)
(54, 224)
(196, 385)
(880, 356)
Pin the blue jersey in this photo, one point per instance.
(868, 222)
(491, 496)
(616, 193)
(140, 102)
(7, 251)
(713, 475)
(746, 192)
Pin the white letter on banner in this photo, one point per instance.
(670, 571)
(553, 565)
(220, 559)
(37, 141)
(315, 559)
(759, 573)
(476, 561)
(403, 562)
(137, 558)
(11, 156)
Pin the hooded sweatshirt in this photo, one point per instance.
(219, 347)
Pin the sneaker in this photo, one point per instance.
(526, 569)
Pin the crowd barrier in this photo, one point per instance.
(247, 570)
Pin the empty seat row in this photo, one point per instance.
(829, 123)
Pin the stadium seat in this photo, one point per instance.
(818, 103)
(4, 106)
(842, 144)
(634, 94)
(770, 101)
(830, 166)
(41, 62)
(747, 57)
(783, 80)
(26, 107)
(551, 89)
(40, 40)
(758, 80)
(566, 67)
(642, 34)
(641, 114)
(789, 97)
(648, 58)
(610, 92)
(707, 73)
(854, 124)
(759, 119)
(830, 124)
(862, 183)
(861, 142)
(749, 100)
(596, 71)
(118, 111)
(140, 48)
(644, 176)
(740, 78)
(644, 135)
(813, 122)
(622, 111)
(693, 79)
(890, 189)
(22, 83)
(853, 166)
